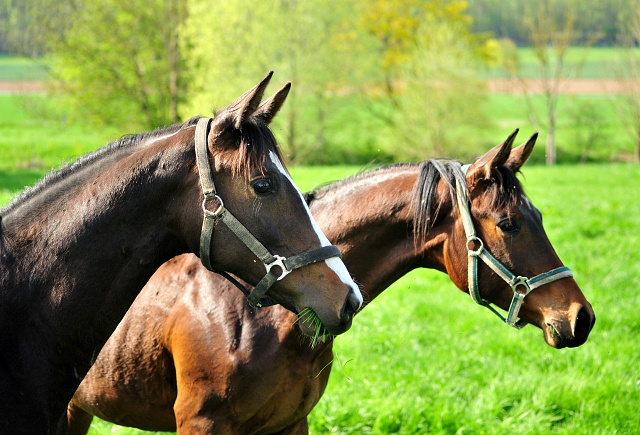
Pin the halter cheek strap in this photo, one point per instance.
(520, 285)
(284, 265)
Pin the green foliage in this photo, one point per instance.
(312, 43)
(117, 62)
(504, 19)
(441, 93)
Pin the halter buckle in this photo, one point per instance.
(216, 212)
(520, 281)
(279, 262)
(471, 239)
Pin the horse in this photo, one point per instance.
(77, 248)
(178, 363)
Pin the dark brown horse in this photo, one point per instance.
(178, 362)
(76, 249)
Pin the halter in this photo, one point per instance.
(285, 265)
(527, 284)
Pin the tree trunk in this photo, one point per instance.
(551, 141)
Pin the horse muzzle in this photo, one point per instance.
(319, 322)
(572, 331)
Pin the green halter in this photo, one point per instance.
(526, 284)
(284, 265)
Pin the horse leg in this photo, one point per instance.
(191, 422)
(196, 414)
(79, 420)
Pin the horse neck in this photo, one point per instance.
(80, 249)
(370, 218)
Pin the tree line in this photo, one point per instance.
(608, 19)
(410, 65)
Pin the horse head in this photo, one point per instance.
(509, 261)
(257, 193)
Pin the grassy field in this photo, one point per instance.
(20, 68)
(595, 62)
(424, 359)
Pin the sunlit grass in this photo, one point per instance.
(423, 358)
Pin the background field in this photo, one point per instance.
(423, 358)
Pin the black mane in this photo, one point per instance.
(503, 193)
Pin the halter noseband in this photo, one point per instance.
(527, 284)
(286, 265)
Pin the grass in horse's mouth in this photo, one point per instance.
(308, 316)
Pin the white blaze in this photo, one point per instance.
(334, 263)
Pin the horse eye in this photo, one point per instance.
(508, 226)
(262, 186)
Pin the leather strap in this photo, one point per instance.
(286, 265)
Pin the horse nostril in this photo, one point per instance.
(582, 325)
(352, 305)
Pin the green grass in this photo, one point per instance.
(596, 62)
(21, 68)
(428, 360)
(424, 359)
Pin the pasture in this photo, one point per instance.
(423, 358)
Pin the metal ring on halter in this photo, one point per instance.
(475, 239)
(279, 261)
(215, 213)
(523, 281)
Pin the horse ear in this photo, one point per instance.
(270, 107)
(487, 166)
(520, 154)
(245, 105)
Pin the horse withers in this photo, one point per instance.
(178, 363)
(76, 249)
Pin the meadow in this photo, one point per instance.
(423, 358)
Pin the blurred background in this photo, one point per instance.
(382, 80)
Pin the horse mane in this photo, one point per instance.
(504, 192)
(253, 145)
(501, 192)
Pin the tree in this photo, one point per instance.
(120, 62)
(235, 42)
(551, 38)
(428, 59)
(28, 27)
(504, 18)
(627, 72)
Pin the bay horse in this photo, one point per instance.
(77, 248)
(179, 363)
